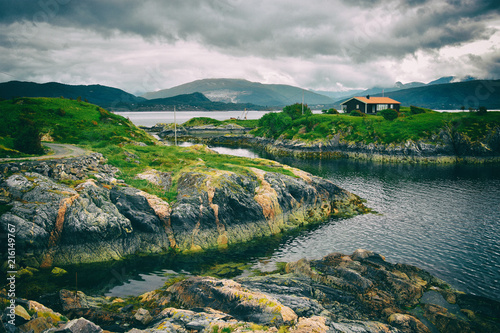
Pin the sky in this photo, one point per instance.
(332, 45)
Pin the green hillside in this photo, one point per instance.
(124, 145)
(64, 121)
(106, 97)
(375, 129)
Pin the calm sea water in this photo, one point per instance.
(445, 219)
(152, 118)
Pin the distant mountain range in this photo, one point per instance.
(450, 96)
(243, 91)
(400, 86)
(106, 97)
(235, 94)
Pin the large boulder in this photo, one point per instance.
(231, 297)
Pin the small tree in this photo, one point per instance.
(294, 111)
(274, 123)
(482, 110)
(28, 139)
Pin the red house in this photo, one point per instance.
(370, 104)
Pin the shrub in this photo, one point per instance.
(274, 123)
(330, 111)
(294, 111)
(357, 113)
(482, 110)
(388, 114)
(416, 110)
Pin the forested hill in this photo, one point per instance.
(106, 97)
(191, 102)
(117, 99)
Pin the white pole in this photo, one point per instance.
(175, 126)
(302, 101)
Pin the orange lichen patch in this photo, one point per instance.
(162, 209)
(266, 197)
(55, 235)
(316, 324)
(306, 176)
(222, 240)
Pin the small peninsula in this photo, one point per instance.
(412, 135)
(131, 194)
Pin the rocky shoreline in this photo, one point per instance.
(359, 293)
(75, 211)
(448, 147)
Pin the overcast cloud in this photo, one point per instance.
(142, 46)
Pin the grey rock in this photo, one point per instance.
(363, 327)
(136, 208)
(17, 185)
(81, 325)
(143, 316)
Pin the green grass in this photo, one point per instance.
(65, 121)
(375, 129)
(177, 160)
(91, 127)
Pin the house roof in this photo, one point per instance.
(374, 100)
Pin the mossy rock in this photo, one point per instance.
(56, 271)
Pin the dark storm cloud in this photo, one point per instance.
(277, 28)
(339, 37)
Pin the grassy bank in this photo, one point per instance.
(376, 129)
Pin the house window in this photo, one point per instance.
(357, 106)
(382, 107)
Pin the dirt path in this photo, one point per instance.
(59, 151)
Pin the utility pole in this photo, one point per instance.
(175, 126)
(302, 101)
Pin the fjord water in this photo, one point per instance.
(442, 218)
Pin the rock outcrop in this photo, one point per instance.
(360, 293)
(446, 147)
(62, 217)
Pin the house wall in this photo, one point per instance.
(351, 105)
